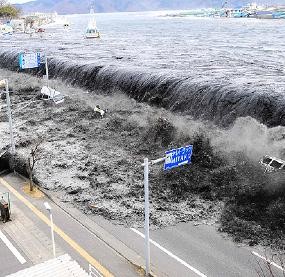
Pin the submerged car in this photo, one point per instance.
(272, 163)
(48, 93)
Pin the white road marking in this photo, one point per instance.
(171, 254)
(268, 261)
(16, 253)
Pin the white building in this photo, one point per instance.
(18, 25)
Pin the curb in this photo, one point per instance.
(111, 241)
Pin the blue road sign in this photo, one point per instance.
(29, 60)
(178, 157)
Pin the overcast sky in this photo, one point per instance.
(19, 1)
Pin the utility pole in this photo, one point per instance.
(10, 118)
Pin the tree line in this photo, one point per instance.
(7, 10)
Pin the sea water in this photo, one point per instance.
(234, 57)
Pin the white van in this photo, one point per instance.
(51, 94)
(272, 163)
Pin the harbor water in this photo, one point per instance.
(215, 68)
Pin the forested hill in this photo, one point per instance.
(83, 6)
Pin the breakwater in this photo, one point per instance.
(209, 100)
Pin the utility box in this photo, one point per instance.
(4, 209)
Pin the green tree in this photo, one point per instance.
(8, 11)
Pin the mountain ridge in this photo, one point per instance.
(83, 6)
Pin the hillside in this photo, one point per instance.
(76, 6)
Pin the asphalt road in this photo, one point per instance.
(181, 250)
(189, 250)
(70, 237)
(8, 262)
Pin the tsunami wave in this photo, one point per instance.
(201, 98)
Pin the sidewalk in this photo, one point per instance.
(30, 233)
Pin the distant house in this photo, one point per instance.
(18, 25)
(35, 20)
(6, 29)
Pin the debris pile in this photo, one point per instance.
(94, 162)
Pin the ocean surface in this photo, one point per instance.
(230, 58)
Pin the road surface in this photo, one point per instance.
(181, 250)
(30, 233)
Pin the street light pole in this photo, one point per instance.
(10, 118)
(48, 207)
(146, 216)
(52, 235)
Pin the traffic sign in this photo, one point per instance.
(29, 60)
(173, 158)
(178, 157)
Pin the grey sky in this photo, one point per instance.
(19, 1)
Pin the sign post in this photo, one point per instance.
(173, 158)
(46, 62)
(29, 60)
(177, 157)
(34, 60)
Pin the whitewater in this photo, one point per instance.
(212, 68)
(217, 84)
